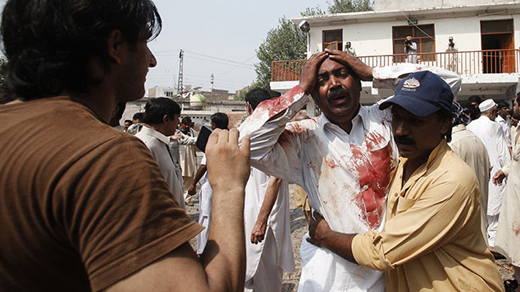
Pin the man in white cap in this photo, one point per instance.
(492, 135)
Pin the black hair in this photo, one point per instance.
(502, 104)
(443, 114)
(186, 121)
(128, 121)
(138, 116)
(156, 108)
(220, 120)
(517, 98)
(49, 43)
(474, 113)
(475, 98)
(255, 96)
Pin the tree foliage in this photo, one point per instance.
(285, 42)
(312, 11)
(288, 42)
(345, 6)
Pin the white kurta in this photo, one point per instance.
(508, 233)
(205, 205)
(506, 127)
(159, 146)
(278, 223)
(492, 136)
(188, 157)
(345, 175)
(470, 148)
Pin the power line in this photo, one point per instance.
(211, 58)
(235, 67)
(226, 60)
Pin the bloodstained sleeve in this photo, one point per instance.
(274, 149)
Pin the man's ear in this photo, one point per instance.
(249, 108)
(166, 118)
(445, 126)
(114, 41)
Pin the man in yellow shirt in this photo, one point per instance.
(431, 240)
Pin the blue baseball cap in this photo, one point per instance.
(422, 94)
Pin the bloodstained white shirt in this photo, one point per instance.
(345, 175)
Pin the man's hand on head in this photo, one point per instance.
(363, 71)
(310, 71)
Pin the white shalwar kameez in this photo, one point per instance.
(345, 175)
(275, 251)
(160, 149)
(205, 205)
(492, 136)
(508, 234)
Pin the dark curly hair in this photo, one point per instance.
(49, 43)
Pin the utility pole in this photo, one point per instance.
(181, 69)
(212, 81)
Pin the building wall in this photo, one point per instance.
(375, 38)
(386, 5)
(161, 92)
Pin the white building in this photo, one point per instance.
(486, 33)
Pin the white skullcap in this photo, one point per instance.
(486, 105)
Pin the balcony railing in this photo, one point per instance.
(466, 62)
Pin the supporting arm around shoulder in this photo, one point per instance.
(321, 235)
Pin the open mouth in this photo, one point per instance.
(338, 96)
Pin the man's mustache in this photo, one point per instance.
(337, 92)
(404, 140)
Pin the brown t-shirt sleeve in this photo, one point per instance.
(118, 212)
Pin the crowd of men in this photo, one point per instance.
(95, 208)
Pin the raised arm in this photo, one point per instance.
(266, 126)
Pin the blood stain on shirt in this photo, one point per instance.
(375, 168)
(276, 105)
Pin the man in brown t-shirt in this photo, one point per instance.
(83, 206)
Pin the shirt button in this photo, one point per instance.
(364, 188)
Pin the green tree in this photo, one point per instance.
(285, 42)
(312, 11)
(288, 42)
(345, 6)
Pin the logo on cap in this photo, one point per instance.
(411, 83)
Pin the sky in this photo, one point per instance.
(217, 37)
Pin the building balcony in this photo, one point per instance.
(485, 72)
(463, 63)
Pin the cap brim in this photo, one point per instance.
(415, 106)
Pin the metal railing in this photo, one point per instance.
(464, 62)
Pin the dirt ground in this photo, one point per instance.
(298, 229)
